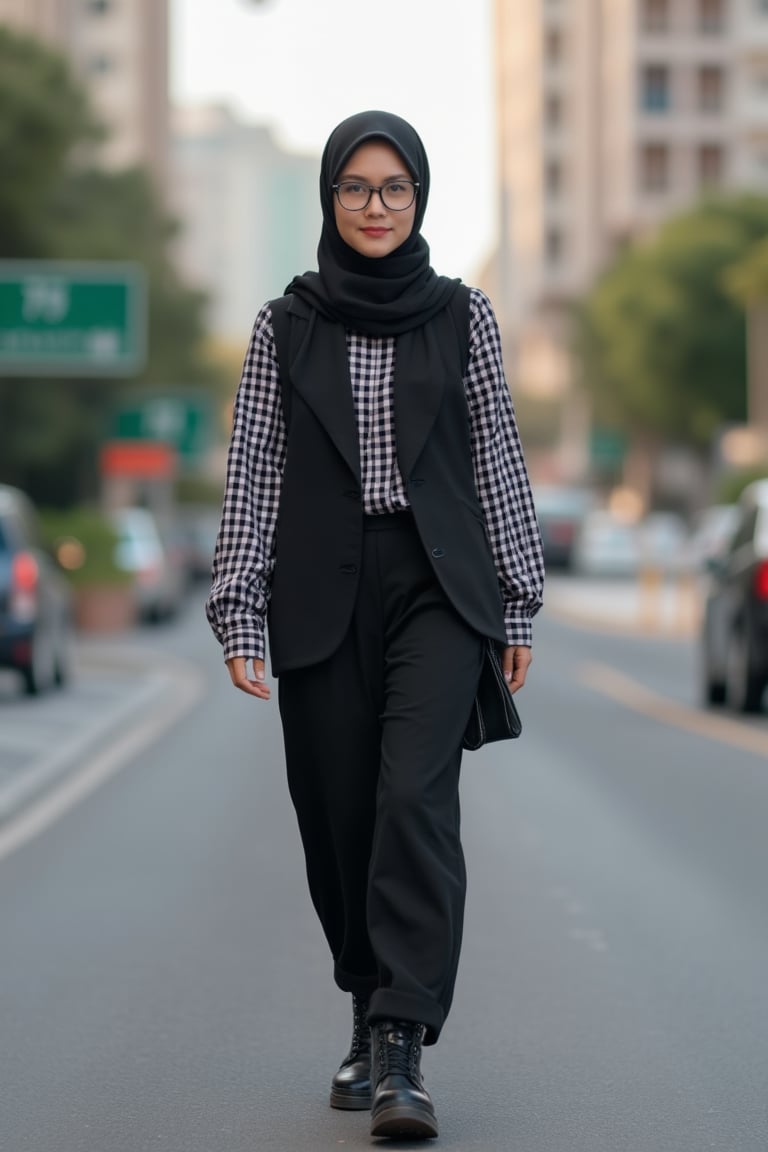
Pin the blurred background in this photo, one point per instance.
(600, 169)
(160, 162)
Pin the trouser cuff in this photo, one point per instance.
(388, 1004)
(360, 986)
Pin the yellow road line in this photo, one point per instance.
(606, 680)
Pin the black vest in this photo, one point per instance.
(320, 515)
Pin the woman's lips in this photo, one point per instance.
(375, 231)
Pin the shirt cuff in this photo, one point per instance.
(244, 638)
(518, 627)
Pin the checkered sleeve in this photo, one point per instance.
(501, 475)
(244, 555)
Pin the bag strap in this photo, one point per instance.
(459, 308)
(281, 332)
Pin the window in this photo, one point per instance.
(711, 164)
(655, 168)
(656, 88)
(101, 64)
(554, 46)
(656, 15)
(553, 110)
(555, 246)
(553, 178)
(711, 16)
(711, 88)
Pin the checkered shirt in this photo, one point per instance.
(244, 556)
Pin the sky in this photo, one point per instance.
(301, 66)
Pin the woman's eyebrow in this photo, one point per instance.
(365, 180)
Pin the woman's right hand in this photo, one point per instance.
(238, 673)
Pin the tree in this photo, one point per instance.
(43, 116)
(661, 339)
(57, 205)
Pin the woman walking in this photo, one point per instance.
(378, 523)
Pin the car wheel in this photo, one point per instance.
(62, 669)
(743, 688)
(711, 689)
(40, 673)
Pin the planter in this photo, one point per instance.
(104, 607)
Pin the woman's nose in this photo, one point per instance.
(376, 204)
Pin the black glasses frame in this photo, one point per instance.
(371, 189)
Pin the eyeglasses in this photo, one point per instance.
(396, 195)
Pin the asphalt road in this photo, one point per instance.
(164, 984)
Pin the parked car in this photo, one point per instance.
(160, 579)
(712, 530)
(36, 628)
(560, 512)
(734, 633)
(606, 546)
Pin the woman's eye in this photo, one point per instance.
(396, 186)
(353, 189)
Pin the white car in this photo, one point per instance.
(141, 550)
(606, 546)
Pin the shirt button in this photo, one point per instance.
(438, 553)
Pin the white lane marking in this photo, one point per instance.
(606, 680)
(187, 689)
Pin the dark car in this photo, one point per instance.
(734, 640)
(561, 512)
(35, 603)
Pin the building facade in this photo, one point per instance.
(119, 50)
(612, 115)
(249, 213)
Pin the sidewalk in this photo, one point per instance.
(645, 606)
(119, 687)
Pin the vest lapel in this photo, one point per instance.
(327, 389)
(418, 390)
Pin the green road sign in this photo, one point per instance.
(59, 318)
(181, 420)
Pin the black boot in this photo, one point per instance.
(351, 1086)
(401, 1104)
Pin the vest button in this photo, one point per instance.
(348, 569)
(438, 553)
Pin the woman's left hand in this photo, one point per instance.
(515, 662)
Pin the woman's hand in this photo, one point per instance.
(515, 662)
(238, 673)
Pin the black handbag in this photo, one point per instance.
(494, 715)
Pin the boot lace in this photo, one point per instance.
(400, 1057)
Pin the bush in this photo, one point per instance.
(84, 542)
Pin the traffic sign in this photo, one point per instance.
(64, 318)
(179, 419)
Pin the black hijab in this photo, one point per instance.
(385, 295)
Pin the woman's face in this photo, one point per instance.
(374, 230)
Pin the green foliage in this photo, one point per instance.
(732, 484)
(43, 116)
(661, 339)
(55, 205)
(748, 280)
(85, 543)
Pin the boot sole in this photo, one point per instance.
(403, 1124)
(350, 1102)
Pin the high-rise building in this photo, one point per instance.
(612, 115)
(249, 212)
(119, 50)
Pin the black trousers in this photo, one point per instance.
(373, 749)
